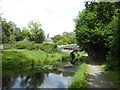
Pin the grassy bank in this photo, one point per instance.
(113, 76)
(79, 79)
(19, 57)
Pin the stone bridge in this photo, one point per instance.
(69, 48)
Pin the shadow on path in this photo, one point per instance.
(96, 77)
(98, 81)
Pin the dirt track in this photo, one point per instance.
(96, 77)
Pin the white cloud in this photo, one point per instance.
(56, 16)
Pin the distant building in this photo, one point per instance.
(25, 39)
(48, 39)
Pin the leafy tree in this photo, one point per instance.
(0, 30)
(26, 34)
(5, 31)
(56, 38)
(18, 34)
(37, 34)
(114, 56)
(70, 37)
(10, 32)
(65, 38)
(92, 27)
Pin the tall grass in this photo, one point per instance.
(79, 79)
(14, 57)
(113, 76)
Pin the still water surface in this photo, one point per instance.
(36, 80)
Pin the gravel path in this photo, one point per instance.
(96, 77)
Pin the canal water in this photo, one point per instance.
(39, 79)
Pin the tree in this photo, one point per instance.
(10, 32)
(33, 32)
(70, 37)
(18, 34)
(36, 32)
(114, 55)
(56, 38)
(26, 34)
(92, 27)
(65, 38)
(5, 31)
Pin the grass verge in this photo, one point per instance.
(79, 78)
(16, 57)
(113, 76)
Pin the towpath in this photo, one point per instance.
(96, 76)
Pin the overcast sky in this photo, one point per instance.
(55, 16)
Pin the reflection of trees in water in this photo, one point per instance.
(65, 74)
(28, 79)
(8, 80)
(33, 81)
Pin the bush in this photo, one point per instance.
(49, 47)
(78, 57)
(19, 57)
(79, 79)
(25, 45)
(8, 46)
(30, 45)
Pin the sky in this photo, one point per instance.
(55, 16)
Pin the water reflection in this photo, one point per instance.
(56, 81)
(36, 80)
(32, 81)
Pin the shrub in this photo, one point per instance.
(25, 45)
(49, 47)
(78, 57)
(19, 57)
(79, 79)
(8, 46)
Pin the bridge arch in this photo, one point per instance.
(69, 48)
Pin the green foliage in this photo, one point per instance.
(34, 32)
(49, 47)
(25, 45)
(69, 37)
(31, 45)
(78, 57)
(26, 33)
(8, 46)
(22, 57)
(13, 58)
(57, 38)
(10, 32)
(114, 55)
(65, 38)
(93, 30)
(79, 79)
(115, 77)
(30, 53)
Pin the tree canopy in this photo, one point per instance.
(34, 32)
(65, 38)
(10, 32)
(93, 30)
